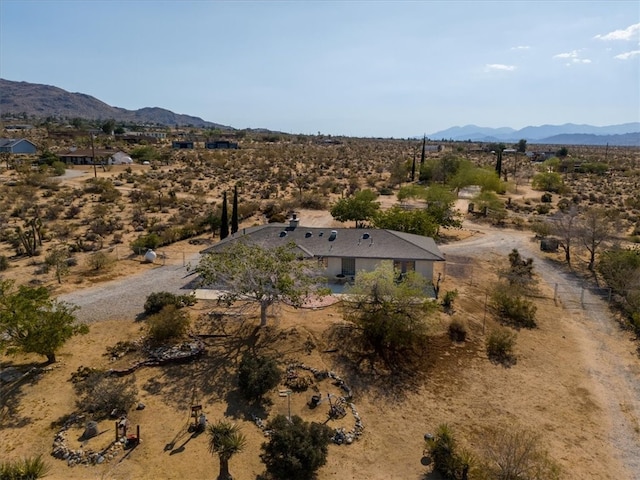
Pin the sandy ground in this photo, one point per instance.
(576, 381)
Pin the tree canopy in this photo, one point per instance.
(32, 322)
(390, 312)
(296, 449)
(249, 272)
(416, 221)
(359, 208)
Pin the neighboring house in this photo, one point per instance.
(138, 139)
(146, 133)
(221, 145)
(182, 145)
(18, 146)
(343, 252)
(119, 158)
(85, 157)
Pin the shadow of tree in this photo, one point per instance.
(365, 373)
(11, 393)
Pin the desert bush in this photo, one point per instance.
(448, 299)
(543, 208)
(513, 308)
(451, 462)
(4, 263)
(546, 198)
(156, 301)
(141, 244)
(516, 453)
(99, 261)
(29, 468)
(169, 323)
(101, 394)
(257, 375)
(500, 344)
(457, 330)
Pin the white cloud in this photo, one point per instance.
(571, 54)
(572, 57)
(628, 33)
(627, 55)
(498, 66)
(521, 47)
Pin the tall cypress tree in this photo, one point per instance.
(413, 167)
(224, 221)
(234, 211)
(424, 147)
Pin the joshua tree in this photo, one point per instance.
(225, 440)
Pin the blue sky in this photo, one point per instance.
(360, 68)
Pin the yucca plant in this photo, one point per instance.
(29, 468)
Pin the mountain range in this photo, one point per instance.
(42, 101)
(626, 134)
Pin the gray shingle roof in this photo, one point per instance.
(347, 242)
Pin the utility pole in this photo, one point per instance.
(93, 158)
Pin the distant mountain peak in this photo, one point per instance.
(569, 133)
(48, 101)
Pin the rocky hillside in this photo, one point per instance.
(32, 99)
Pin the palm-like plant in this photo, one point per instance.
(225, 439)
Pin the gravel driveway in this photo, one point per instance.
(125, 297)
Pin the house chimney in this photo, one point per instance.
(293, 221)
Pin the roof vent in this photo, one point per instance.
(365, 236)
(283, 234)
(308, 234)
(321, 234)
(334, 234)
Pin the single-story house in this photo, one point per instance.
(182, 145)
(221, 145)
(17, 145)
(343, 252)
(85, 157)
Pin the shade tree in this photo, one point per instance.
(248, 272)
(33, 322)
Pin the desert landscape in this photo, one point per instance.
(573, 380)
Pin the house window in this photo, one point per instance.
(349, 266)
(404, 266)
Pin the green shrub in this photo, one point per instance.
(447, 300)
(167, 324)
(29, 468)
(447, 459)
(158, 300)
(514, 309)
(296, 449)
(141, 244)
(546, 198)
(547, 181)
(500, 345)
(257, 375)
